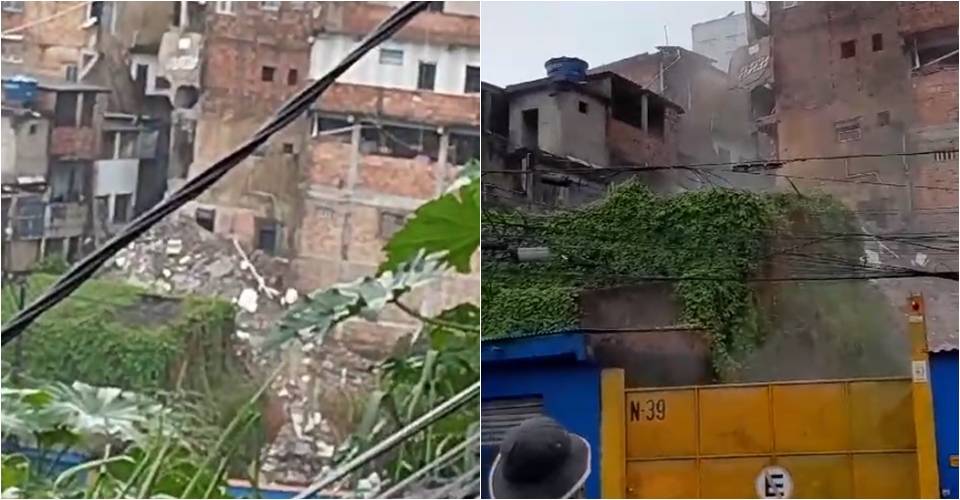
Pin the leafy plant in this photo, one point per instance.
(711, 241)
(443, 233)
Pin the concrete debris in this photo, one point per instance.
(290, 297)
(920, 259)
(248, 300)
(174, 247)
(179, 257)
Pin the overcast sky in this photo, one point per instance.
(518, 37)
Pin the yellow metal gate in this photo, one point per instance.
(861, 438)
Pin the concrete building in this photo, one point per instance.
(712, 128)
(50, 145)
(558, 124)
(718, 39)
(845, 78)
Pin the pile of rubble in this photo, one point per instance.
(319, 390)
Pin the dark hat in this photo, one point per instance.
(540, 459)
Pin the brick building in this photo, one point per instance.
(848, 78)
(97, 143)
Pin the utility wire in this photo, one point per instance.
(445, 408)
(294, 107)
(43, 20)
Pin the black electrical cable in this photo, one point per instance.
(84, 270)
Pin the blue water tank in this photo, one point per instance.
(19, 89)
(566, 69)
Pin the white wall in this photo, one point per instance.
(9, 149)
(451, 63)
(117, 177)
(719, 38)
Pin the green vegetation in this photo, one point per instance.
(113, 334)
(713, 240)
(443, 234)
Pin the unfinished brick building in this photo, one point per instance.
(855, 78)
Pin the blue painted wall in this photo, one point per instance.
(556, 368)
(56, 464)
(943, 378)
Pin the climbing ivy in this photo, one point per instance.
(714, 240)
(107, 334)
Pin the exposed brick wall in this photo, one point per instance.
(329, 163)
(935, 97)
(921, 16)
(410, 105)
(397, 176)
(51, 45)
(360, 18)
(629, 145)
(938, 175)
(74, 142)
(237, 47)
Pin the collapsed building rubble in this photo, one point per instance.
(312, 406)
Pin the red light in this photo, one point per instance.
(915, 304)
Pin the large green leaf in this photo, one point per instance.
(312, 318)
(448, 224)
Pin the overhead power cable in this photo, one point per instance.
(43, 20)
(444, 409)
(84, 270)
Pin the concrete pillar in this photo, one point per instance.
(644, 112)
(440, 169)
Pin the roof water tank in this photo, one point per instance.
(567, 69)
(19, 89)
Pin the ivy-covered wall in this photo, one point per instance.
(113, 334)
(709, 245)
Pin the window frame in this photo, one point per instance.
(387, 61)
(420, 76)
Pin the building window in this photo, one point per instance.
(288, 148)
(789, 5)
(390, 223)
(94, 11)
(582, 106)
(391, 56)
(224, 7)
(73, 249)
(206, 218)
(400, 141)
(292, 76)
(67, 181)
(119, 144)
(530, 134)
(121, 208)
(267, 233)
(472, 80)
(463, 148)
(848, 49)
(883, 118)
(877, 42)
(427, 76)
(13, 6)
(65, 110)
(332, 128)
(274, 6)
(934, 47)
(28, 222)
(101, 208)
(266, 73)
(435, 6)
(848, 130)
(32, 129)
(53, 247)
